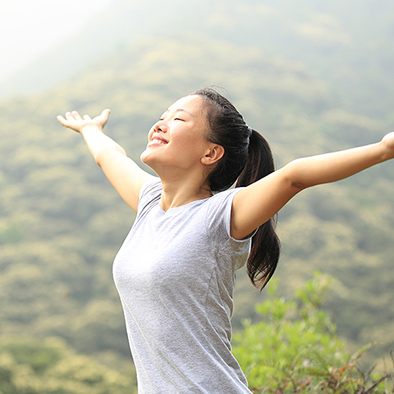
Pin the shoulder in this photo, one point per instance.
(219, 209)
(151, 185)
(150, 192)
(221, 200)
(218, 224)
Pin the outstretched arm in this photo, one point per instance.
(124, 174)
(258, 202)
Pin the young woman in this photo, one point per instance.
(175, 271)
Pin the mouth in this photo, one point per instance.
(157, 140)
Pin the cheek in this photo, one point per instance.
(193, 149)
(189, 145)
(188, 138)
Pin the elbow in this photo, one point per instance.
(297, 187)
(293, 178)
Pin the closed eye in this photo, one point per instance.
(182, 120)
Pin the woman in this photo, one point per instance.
(175, 271)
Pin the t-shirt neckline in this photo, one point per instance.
(183, 206)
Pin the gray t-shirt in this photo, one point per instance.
(175, 276)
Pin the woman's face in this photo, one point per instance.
(178, 140)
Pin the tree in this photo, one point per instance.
(295, 348)
(50, 367)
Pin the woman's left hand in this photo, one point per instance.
(388, 143)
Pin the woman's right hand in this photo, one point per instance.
(125, 175)
(77, 123)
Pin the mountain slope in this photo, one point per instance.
(343, 43)
(61, 223)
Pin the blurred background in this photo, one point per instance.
(311, 76)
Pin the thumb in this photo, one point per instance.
(103, 117)
(106, 113)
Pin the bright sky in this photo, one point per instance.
(28, 27)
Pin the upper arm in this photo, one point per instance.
(124, 174)
(260, 201)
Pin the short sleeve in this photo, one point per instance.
(219, 214)
(218, 222)
(150, 193)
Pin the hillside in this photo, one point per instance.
(61, 223)
(342, 43)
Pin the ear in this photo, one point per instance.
(213, 155)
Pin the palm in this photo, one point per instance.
(75, 122)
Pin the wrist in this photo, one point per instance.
(387, 147)
(91, 129)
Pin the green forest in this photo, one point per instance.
(312, 77)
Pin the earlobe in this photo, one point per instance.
(214, 154)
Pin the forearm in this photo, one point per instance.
(98, 143)
(332, 167)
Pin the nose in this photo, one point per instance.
(161, 126)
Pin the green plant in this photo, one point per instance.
(295, 348)
(50, 367)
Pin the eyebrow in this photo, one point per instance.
(178, 110)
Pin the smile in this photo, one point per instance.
(157, 141)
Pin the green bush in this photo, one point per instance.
(295, 348)
(50, 367)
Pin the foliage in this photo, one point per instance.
(290, 69)
(50, 367)
(295, 348)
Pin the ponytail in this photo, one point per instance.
(247, 158)
(264, 255)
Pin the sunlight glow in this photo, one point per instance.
(28, 28)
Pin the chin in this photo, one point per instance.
(144, 156)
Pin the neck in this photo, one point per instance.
(182, 190)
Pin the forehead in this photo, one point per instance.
(192, 104)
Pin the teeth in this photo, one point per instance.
(158, 141)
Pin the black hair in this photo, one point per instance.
(247, 158)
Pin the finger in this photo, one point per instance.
(87, 117)
(64, 122)
(76, 115)
(72, 115)
(61, 119)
